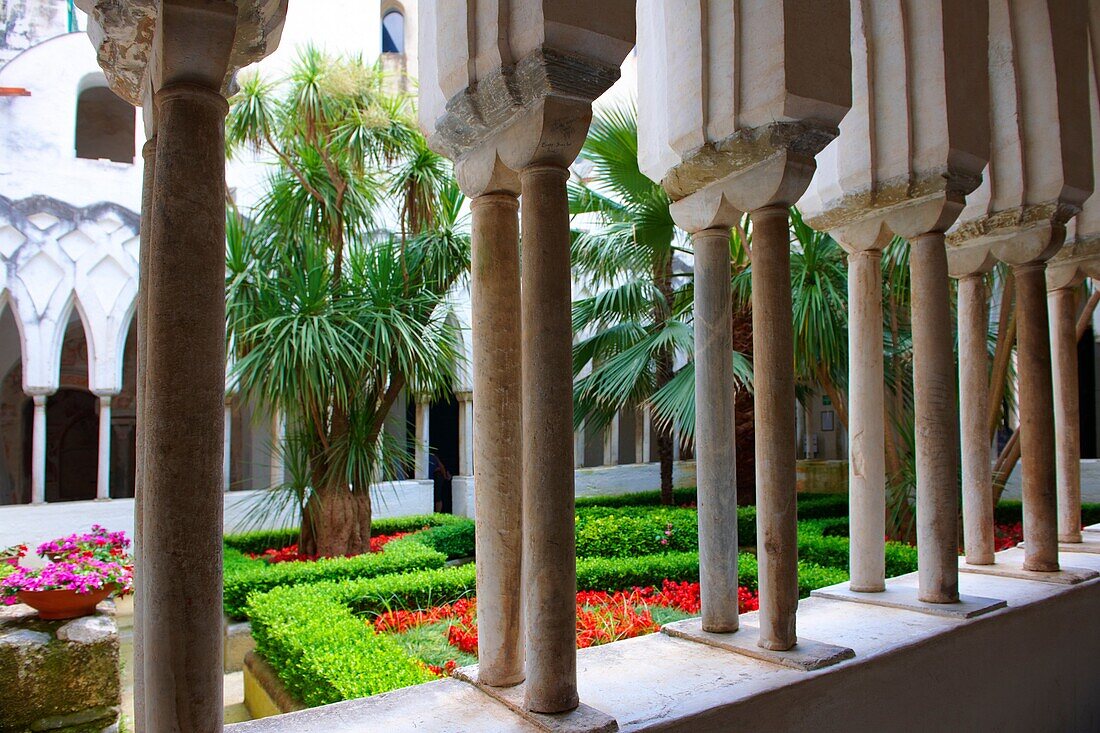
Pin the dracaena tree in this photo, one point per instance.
(338, 280)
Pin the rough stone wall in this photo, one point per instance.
(58, 676)
(23, 23)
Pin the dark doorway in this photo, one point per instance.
(1086, 393)
(443, 438)
(72, 445)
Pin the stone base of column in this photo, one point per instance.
(904, 596)
(1010, 564)
(806, 655)
(583, 719)
(1088, 543)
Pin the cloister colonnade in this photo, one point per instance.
(962, 127)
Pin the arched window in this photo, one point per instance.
(104, 126)
(393, 32)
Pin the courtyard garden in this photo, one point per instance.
(406, 612)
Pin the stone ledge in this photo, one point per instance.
(1013, 568)
(905, 597)
(807, 655)
(1089, 543)
(585, 719)
(264, 693)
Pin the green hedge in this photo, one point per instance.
(825, 542)
(639, 498)
(242, 580)
(455, 540)
(324, 651)
(324, 654)
(256, 542)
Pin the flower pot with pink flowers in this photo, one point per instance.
(67, 589)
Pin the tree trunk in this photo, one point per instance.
(343, 522)
(664, 433)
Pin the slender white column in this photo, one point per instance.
(977, 472)
(549, 541)
(1067, 412)
(1037, 443)
(103, 473)
(38, 450)
(611, 443)
(867, 461)
(227, 437)
(715, 454)
(639, 436)
(420, 469)
(578, 445)
(498, 437)
(936, 422)
(647, 435)
(773, 354)
(185, 396)
(463, 437)
(278, 437)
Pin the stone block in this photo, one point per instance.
(238, 643)
(58, 676)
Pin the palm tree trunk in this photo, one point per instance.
(664, 432)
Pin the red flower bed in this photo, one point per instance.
(1007, 535)
(602, 617)
(290, 552)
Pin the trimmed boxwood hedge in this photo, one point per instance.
(455, 539)
(315, 638)
(242, 579)
(1008, 512)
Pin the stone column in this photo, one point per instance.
(867, 423)
(549, 549)
(276, 477)
(578, 445)
(103, 467)
(1036, 405)
(639, 435)
(716, 464)
(421, 436)
(227, 446)
(149, 158)
(465, 437)
(936, 422)
(1067, 415)
(611, 442)
(977, 472)
(184, 394)
(498, 437)
(38, 450)
(773, 359)
(647, 434)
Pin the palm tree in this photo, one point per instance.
(635, 326)
(329, 318)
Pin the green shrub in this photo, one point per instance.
(629, 532)
(640, 498)
(412, 523)
(825, 542)
(324, 654)
(397, 556)
(822, 506)
(265, 539)
(455, 540)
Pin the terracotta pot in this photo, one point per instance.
(63, 604)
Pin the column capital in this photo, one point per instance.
(146, 45)
(40, 400)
